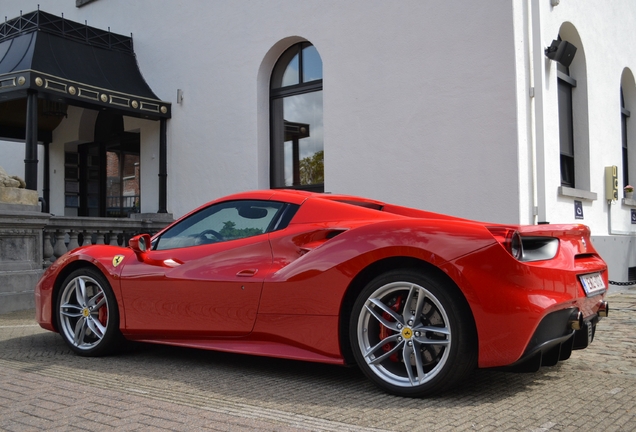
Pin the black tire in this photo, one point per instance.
(383, 331)
(87, 314)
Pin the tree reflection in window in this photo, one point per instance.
(230, 232)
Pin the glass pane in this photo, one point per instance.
(312, 64)
(624, 130)
(122, 184)
(303, 137)
(567, 171)
(625, 168)
(291, 76)
(221, 222)
(565, 119)
(130, 181)
(113, 185)
(285, 72)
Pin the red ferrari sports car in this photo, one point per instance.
(416, 299)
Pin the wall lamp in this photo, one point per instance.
(561, 52)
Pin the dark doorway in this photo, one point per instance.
(109, 170)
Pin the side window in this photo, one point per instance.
(222, 222)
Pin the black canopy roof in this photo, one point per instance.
(73, 64)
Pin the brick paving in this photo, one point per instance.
(44, 386)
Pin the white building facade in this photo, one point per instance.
(452, 107)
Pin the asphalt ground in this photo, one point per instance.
(44, 386)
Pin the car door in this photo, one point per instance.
(203, 276)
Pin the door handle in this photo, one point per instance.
(247, 273)
(171, 263)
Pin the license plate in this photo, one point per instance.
(592, 284)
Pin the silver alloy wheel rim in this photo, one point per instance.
(419, 332)
(82, 302)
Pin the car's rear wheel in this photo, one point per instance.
(412, 334)
(87, 314)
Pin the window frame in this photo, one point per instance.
(277, 126)
(566, 127)
(625, 114)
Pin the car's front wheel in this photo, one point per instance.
(87, 314)
(412, 334)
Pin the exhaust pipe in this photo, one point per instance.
(603, 309)
(576, 320)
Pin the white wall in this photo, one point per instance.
(426, 103)
(606, 33)
(419, 97)
(66, 137)
(407, 116)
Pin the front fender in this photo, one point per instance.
(102, 257)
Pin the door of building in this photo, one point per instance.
(109, 177)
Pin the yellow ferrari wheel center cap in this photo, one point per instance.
(407, 333)
(85, 312)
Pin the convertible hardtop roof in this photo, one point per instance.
(366, 206)
(298, 197)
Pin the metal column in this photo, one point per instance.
(46, 181)
(31, 152)
(163, 167)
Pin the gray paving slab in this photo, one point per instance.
(44, 386)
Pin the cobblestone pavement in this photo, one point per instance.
(44, 386)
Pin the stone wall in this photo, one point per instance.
(20, 254)
(21, 226)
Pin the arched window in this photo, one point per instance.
(297, 150)
(628, 126)
(573, 118)
(624, 116)
(566, 124)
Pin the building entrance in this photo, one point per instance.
(109, 170)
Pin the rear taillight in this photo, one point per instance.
(510, 239)
(515, 246)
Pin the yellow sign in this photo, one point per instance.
(117, 260)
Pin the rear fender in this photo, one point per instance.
(316, 281)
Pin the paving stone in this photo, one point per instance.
(43, 385)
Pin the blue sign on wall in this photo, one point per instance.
(578, 210)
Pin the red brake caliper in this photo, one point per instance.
(385, 332)
(103, 315)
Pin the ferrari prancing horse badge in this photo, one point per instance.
(117, 260)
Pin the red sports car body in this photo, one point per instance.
(417, 299)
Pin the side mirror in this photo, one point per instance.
(140, 243)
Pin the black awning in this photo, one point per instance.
(74, 64)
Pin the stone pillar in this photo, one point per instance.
(21, 226)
